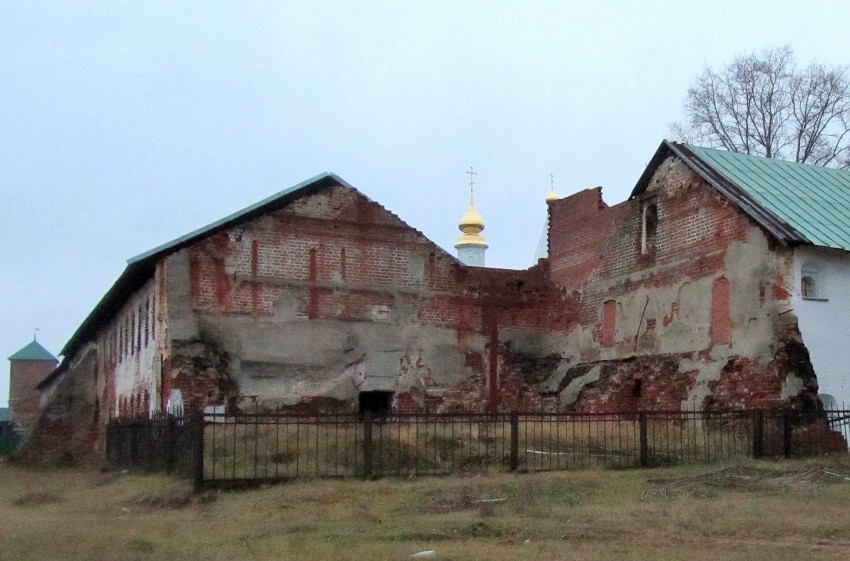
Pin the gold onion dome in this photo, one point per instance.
(471, 224)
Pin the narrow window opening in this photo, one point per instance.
(808, 287)
(153, 314)
(649, 230)
(139, 330)
(147, 320)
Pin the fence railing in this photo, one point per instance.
(9, 439)
(166, 443)
(220, 449)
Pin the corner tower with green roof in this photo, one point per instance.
(27, 368)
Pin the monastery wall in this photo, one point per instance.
(686, 302)
(70, 426)
(309, 306)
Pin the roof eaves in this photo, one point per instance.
(133, 276)
(643, 182)
(142, 266)
(247, 212)
(53, 376)
(780, 229)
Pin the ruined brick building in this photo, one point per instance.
(706, 288)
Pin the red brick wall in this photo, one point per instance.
(315, 248)
(338, 256)
(70, 429)
(632, 299)
(601, 302)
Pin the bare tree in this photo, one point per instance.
(763, 105)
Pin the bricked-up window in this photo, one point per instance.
(721, 317)
(649, 229)
(609, 323)
(313, 295)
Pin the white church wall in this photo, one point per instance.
(822, 305)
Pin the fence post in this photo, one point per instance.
(514, 441)
(197, 427)
(787, 427)
(758, 434)
(170, 443)
(108, 449)
(134, 443)
(367, 444)
(644, 441)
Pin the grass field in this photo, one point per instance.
(753, 510)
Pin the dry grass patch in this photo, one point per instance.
(36, 498)
(755, 511)
(777, 478)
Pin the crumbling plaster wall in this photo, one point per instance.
(332, 295)
(690, 310)
(134, 348)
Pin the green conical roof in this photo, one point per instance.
(33, 351)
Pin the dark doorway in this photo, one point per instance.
(376, 403)
(637, 388)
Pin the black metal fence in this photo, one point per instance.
(9, 439)
(166, 443)
(220, 449)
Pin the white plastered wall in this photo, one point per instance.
(825, 320)
(138, 369)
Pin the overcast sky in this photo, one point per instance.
(126, 124)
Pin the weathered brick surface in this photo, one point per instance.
(24, 375)
(338, 258)
(69, 429)
(674, 299)
(702, 283)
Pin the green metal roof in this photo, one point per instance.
(813, 200)
(140, 268)
(245, 213)
(33, 351)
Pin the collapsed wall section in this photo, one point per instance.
(311, 306)
(686, 301)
